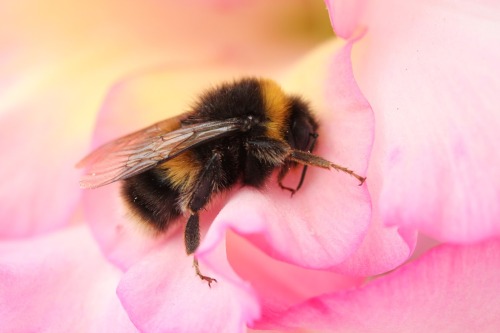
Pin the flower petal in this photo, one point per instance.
(59, 283)
(430, 71)
(278, 285)
(163, 294)
(392, 245)
(39, 189)
(449, 289)
(345, 16)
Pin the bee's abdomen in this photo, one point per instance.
(152, 198)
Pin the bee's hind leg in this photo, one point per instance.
(202, 191)
(192, 241)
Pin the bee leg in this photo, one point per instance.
(282, 175)
(285, 169)
(203, 277)
(192, 241)
(203, 190)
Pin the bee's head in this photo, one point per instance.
(301, 133)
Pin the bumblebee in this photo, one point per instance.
(237, 132)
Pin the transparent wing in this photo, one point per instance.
(142, 150)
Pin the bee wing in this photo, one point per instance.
(142, 150)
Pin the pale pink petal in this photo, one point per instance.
(278, 284)
(59, 283)
(392, 245)
(450, 289)
(345, 16)
(162, 293)
(39, 188)
(430, 71)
